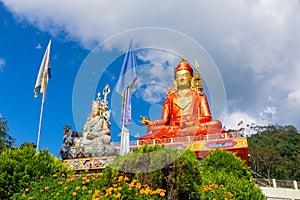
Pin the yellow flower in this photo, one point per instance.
(59, 182)
(87, 180)
(126, 178)
(120, 179)
(54, 175)
(115, 185)
(119, 188)
(23, 195)
(27, 189)
(162, 194)
(84, 178)
(57, 194)
(97, 192)
(84, 188)
(30, 198)
(77, 188)
(65, 188)
(83, 182)
(138, 185)
(41, 177)
(74, 194)
(63, 175)
(118, 196)
(90, 191)
(142, 191)
(47, 188)
(86, 170)
(41, 190)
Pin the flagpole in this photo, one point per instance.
(40, 123)
(124, 131)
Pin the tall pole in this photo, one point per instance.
(124, 133)
(40, 123)
(41, 112)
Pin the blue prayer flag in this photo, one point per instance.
(125, 85)
(128, 71)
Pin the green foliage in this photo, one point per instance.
(5, 139)
(225, 176)
(21, 166)
(179, 175)
(88, 186)
(176, 171)
(227, 162)
(275, 152)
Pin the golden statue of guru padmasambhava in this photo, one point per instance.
(185, 110)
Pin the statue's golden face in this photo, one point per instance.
(183, 79)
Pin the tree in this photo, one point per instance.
(5, 139)
(275, 152)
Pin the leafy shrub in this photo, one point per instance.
(21, 166)
(225, 176)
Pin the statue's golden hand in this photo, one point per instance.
(145, 121)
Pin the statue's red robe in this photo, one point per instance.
(187, 115)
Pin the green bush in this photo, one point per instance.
(21, 166)
(154, 172)
(225, 176)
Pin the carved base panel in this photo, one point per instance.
(92, 163)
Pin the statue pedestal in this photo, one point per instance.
(234, 141)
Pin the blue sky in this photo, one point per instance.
(248, 54)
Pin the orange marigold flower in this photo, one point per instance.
(97, 192)
(27, 189)
(118, 196)
(74, 194)
(59, 182)
(63, 175)
(120, 179)
(142, 191)
(115, 185)
(162, 194)
(126, 178)
(86, 170)
(87, 180)
(138, 185)
(119, 188)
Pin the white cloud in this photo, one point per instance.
(2, 64)
(254, 43)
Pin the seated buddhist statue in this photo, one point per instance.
(96, 129)
(185, 110)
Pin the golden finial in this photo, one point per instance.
(197, 80)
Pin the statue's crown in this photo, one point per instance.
(184, 65)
